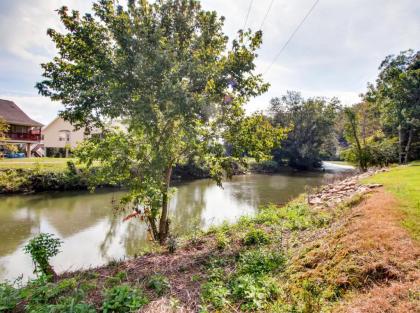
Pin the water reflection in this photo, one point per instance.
(94, 234)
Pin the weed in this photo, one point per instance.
(254, 293)
(42, 248)
(215, 293)
(122, 299)
(222, 241)
(258, 262)
(9, 297)
(256, 237)
(159, 283)
(172, 244)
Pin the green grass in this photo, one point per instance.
(404, 183)
(48, 164)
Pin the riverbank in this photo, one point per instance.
(301, 257)
(53, 174)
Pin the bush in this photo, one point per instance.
(122, 299)
(40, 292)
(254, 293)
(266, 166)
(9, 297)
(159, 283)
(215, 293)
(258, 262)
(221, 240)
(256, 237)
(41, 248)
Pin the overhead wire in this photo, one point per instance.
(266, 14)
(247, 14)
(292, 35)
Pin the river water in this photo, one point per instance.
(94, 234)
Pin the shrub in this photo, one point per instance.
(159, 283)
(172, 244)
(9, 297)
(254, 293)
(221, 240)
(122, 299)
(40, 292)
(256, 237)
(266, 166)
(42, 248)
(215, 293)
(258, 262)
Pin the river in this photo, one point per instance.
(93, 234)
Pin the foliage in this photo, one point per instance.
(3, 129)
(165, 71)
(172, 244)
(9, 297)
(159, 283)
(256, 237)
(123, 298)
(222, 241)
(260, 262)
(41, 292)
(42, 248)
(215, 293)
(265, 166)
(396, 91)
(311, 123)
(254, 292)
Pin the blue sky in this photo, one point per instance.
(335, 53)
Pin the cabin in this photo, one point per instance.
(22, 131)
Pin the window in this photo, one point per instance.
(64, 135)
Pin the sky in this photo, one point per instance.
(333, 54)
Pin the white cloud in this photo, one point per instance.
(39, 108)
(335, 53)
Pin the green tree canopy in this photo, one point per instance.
(166, 71)
(312, 128)
(397, 92)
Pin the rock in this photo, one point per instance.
(371, 186)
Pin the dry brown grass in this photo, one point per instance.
(386, 255)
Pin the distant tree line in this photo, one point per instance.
(383, 128)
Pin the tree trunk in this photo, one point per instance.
(164, 222)
(153, 228)
(407, 147)
(400, 144)
(362, 161)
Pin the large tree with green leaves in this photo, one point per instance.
(311, 123)
(397, 92)
(164, 69)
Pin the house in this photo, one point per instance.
(59, 136)
(22, 131)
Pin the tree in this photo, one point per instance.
(312, 128)
(165, 71)
(352, 133)
(368, 144)
(397, 91)
(3, 129)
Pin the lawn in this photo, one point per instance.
(50, 164)
(404, 183)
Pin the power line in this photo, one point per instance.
(266, 14)
(247, 14)
(291, 36)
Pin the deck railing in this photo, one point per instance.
(23, 137)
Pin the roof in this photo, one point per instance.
(12, 114)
